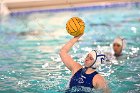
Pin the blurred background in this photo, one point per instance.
(33, 31)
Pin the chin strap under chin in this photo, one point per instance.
(117, 55)
(85, 69)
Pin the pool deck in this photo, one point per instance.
(8, 6)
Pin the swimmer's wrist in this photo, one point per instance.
(74, 40)
(78, 36)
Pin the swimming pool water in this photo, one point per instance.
(29, 41)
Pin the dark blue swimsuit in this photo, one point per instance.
(82, 79)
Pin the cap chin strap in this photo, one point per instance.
(117, 55)
(85, 69)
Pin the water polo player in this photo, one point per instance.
(118, 45)
(84, 76)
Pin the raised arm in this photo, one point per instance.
(66, 58)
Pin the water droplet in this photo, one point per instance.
(2, 78)
(134, 29)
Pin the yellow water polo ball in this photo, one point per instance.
(75, 26)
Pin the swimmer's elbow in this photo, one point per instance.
(62, 51)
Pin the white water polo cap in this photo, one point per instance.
(99, 58)
(120, 41)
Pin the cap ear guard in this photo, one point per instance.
(124, 43)
(100, 60)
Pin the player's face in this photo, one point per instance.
(117, 48)
(88, 60)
